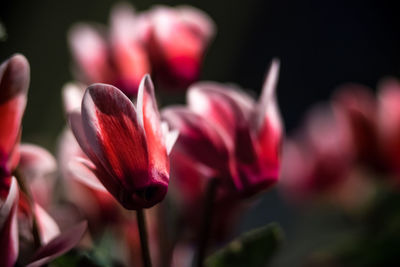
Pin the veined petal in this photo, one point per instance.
(59, 245)
(90, 52)
(112, 185)
(48, 228)
(14, 82)
(8, 226)
(149, 118)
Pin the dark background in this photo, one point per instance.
(321, 44)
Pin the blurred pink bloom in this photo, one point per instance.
(171, 42)
(126, 144)
(318, 158)
(230, 135)
(118, 57)
(388, 118)
(177, 44)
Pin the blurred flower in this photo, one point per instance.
(318, 158)
(169, 41)
(127, 146)
(177, 43)
(229, 135)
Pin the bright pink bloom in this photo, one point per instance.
(118, 58)
(231, 134)
(127, 146)
(178, 41)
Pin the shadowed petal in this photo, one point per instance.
(198, 138)
(8, 226)
(84, 172)
(59, 245)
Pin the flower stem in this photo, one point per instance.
(206, 221)
(143, 237)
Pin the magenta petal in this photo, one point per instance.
(90, 52)
(59, 245)
(198, 138)
(8, 227)
(48, 228)
(14, 82)
(149, 119)
(84, 171)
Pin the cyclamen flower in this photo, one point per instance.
(127, 146)
(231, 136)
(170, 42)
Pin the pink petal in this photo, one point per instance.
(59, 245)
(112, 185)
(229, 111)
(170, 137)
(38, 167)
(72, 94)
(48, 228)
(84, 172)
(8, 227)
(149, 118)
(14, 82)
(198, 138)
(268, 123)
(91, 53)
(199, 21)
(130, 54)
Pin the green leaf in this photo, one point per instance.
(252, 249)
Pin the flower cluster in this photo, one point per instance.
(169, 43)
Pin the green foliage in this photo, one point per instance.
(252, 249)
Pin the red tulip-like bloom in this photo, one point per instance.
(230, 135)
(127, 145)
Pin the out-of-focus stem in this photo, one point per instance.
(207, 219)
(143, 238)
